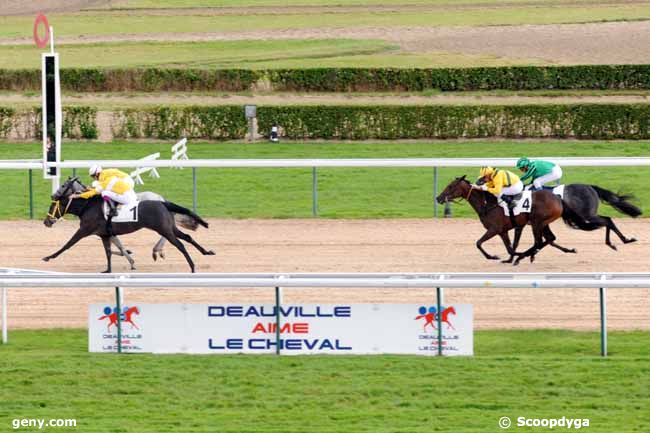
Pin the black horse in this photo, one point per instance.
(584, 200)
(153, 215)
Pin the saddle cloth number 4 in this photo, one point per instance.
(524, 204)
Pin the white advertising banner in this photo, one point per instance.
(304, 329)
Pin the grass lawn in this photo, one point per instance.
(134, 22)
(135, 4)
(342, 192)
(536, 374)
(247, 54)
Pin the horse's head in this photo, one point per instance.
(61, 200)
(450, 310)
(458, 188)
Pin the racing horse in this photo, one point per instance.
(545, 209)
(584, 200)
(153, 215)
(185, 221)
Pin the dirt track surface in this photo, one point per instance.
(339, 246)
(591, 43)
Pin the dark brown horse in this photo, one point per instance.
(545, 208)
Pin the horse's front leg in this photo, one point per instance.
(79, 234)
(487, 236)
(509, 248)
(107, 249)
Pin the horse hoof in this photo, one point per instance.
(107, 271)
(493, 257)
(612, 247)
(573, 251)
(210, 253)
(507, 261)
(155, 257)
(133, 268)
(129, 252)
(46, 259)
(162, 255)
(629, 241)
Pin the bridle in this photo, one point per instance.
(57, 206)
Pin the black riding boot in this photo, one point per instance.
(112, 211)
(511, 208)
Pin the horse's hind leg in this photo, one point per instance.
(188, 238)
(122, 251)
(550, 238)
(158, 249)
(174, 241)
(609, 225)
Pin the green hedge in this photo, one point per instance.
(6, 120)
(338, 79)
(133, 80)
(78, 122)
(213, 123)
(587, 121)
(464, 79)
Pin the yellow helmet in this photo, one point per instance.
(486, 171)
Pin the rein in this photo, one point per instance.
(57, 208)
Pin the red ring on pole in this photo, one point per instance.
(41, 43)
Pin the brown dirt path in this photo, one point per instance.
(280, 98)
(340, 246)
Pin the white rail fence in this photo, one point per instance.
(17, 279)
(314, 164)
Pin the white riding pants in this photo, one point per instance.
(512, 189)
(127, 198)
(555, 174)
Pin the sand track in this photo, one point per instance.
(339, 246)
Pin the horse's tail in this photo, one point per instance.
(173, 207)
(574, 220)
(186, 221)
(618, 202)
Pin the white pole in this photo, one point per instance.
(4, 315)
(51, 40)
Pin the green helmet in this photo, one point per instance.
(523, 163)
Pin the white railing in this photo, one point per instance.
(333, 280)
(16, 279)
(434, 163)
(310, 163)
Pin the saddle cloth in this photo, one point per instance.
(523, 205)
(557, 190)
(125, 214)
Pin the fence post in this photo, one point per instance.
(4, 315)
(31, 196)
(435, 191)
(278, 303)
(194, 193)
(118, 307)
(314, 192)
(603, 319)
(439, 319)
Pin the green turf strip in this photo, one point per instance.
(342, 192)
(544, 374)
